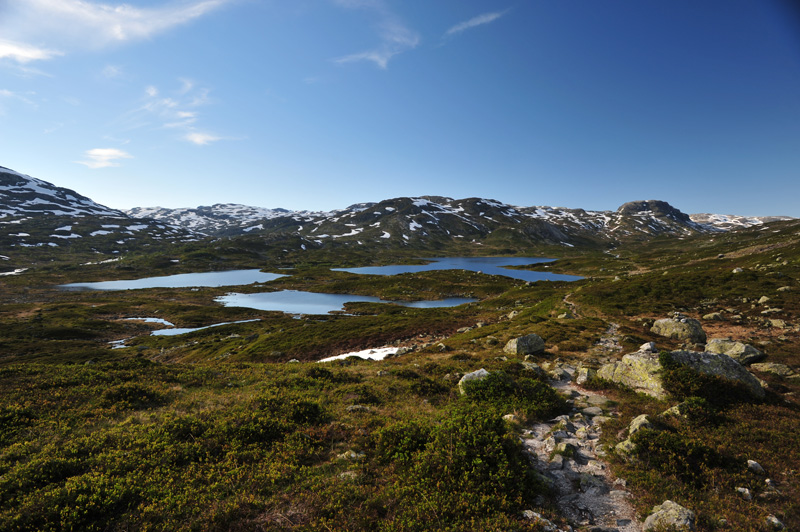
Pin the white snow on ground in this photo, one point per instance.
(65, 228)
(71, 235)
(152, 320)
(354, 232)
(100, 232)
(369, 354)
(4, 257)
(413, 226)
(386, 235)
(253, 228)
(137, 227)
(15, 272)
(117, 259)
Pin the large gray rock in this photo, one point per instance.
(681, 328)
(642, 371)
(742, 353)
(669, 516)
(525, 345)
(720, 366)
(474, 376)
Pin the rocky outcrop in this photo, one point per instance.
(636, 370)
(744, 354)
(719, 366)
(669, 516)
(529, 344)
(641, 371)
(680, 327)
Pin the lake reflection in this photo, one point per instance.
(297, 302)
(487, 265)
(183, 280)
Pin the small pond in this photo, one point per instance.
(182, 280)
(297, 302)
(487, 265)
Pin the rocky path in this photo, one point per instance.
(567, 452)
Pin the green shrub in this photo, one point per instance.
(131, 397)
(470, 469)
(502, 394)
(682, 456)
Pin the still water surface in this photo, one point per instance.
(487, 265)
(183, 280)
(297, 302)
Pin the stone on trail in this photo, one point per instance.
(669, 514)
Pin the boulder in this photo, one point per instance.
(744, 354)
(668, 516)
(474, 376)
(681, 328)
(714, 316)
(641, 371)
(720, 366)
(636, 370)
(781, 370)
(525, 345)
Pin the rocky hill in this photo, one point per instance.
(36, 214)
(435, 221)
(39, 214)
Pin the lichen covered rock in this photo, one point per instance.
(742, 353)
(641, 371)
(681, 328)
(669, 516)
(638, 371)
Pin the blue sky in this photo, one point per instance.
(317, 104)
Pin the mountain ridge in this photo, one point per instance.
(60, 216)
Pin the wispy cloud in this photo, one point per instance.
(112, 71)
(201, 139)
(395, 37)
(474, 22)
(177, 109)
(24, 53)
(104, 157)
(71, 24)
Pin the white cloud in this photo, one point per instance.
(89, 24)
(480, 20)
(104, 157)
(24, 53)
(112, 71)
(201, 139)
(151, 91)
(395, 37)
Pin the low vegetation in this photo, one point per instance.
(238, 428)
